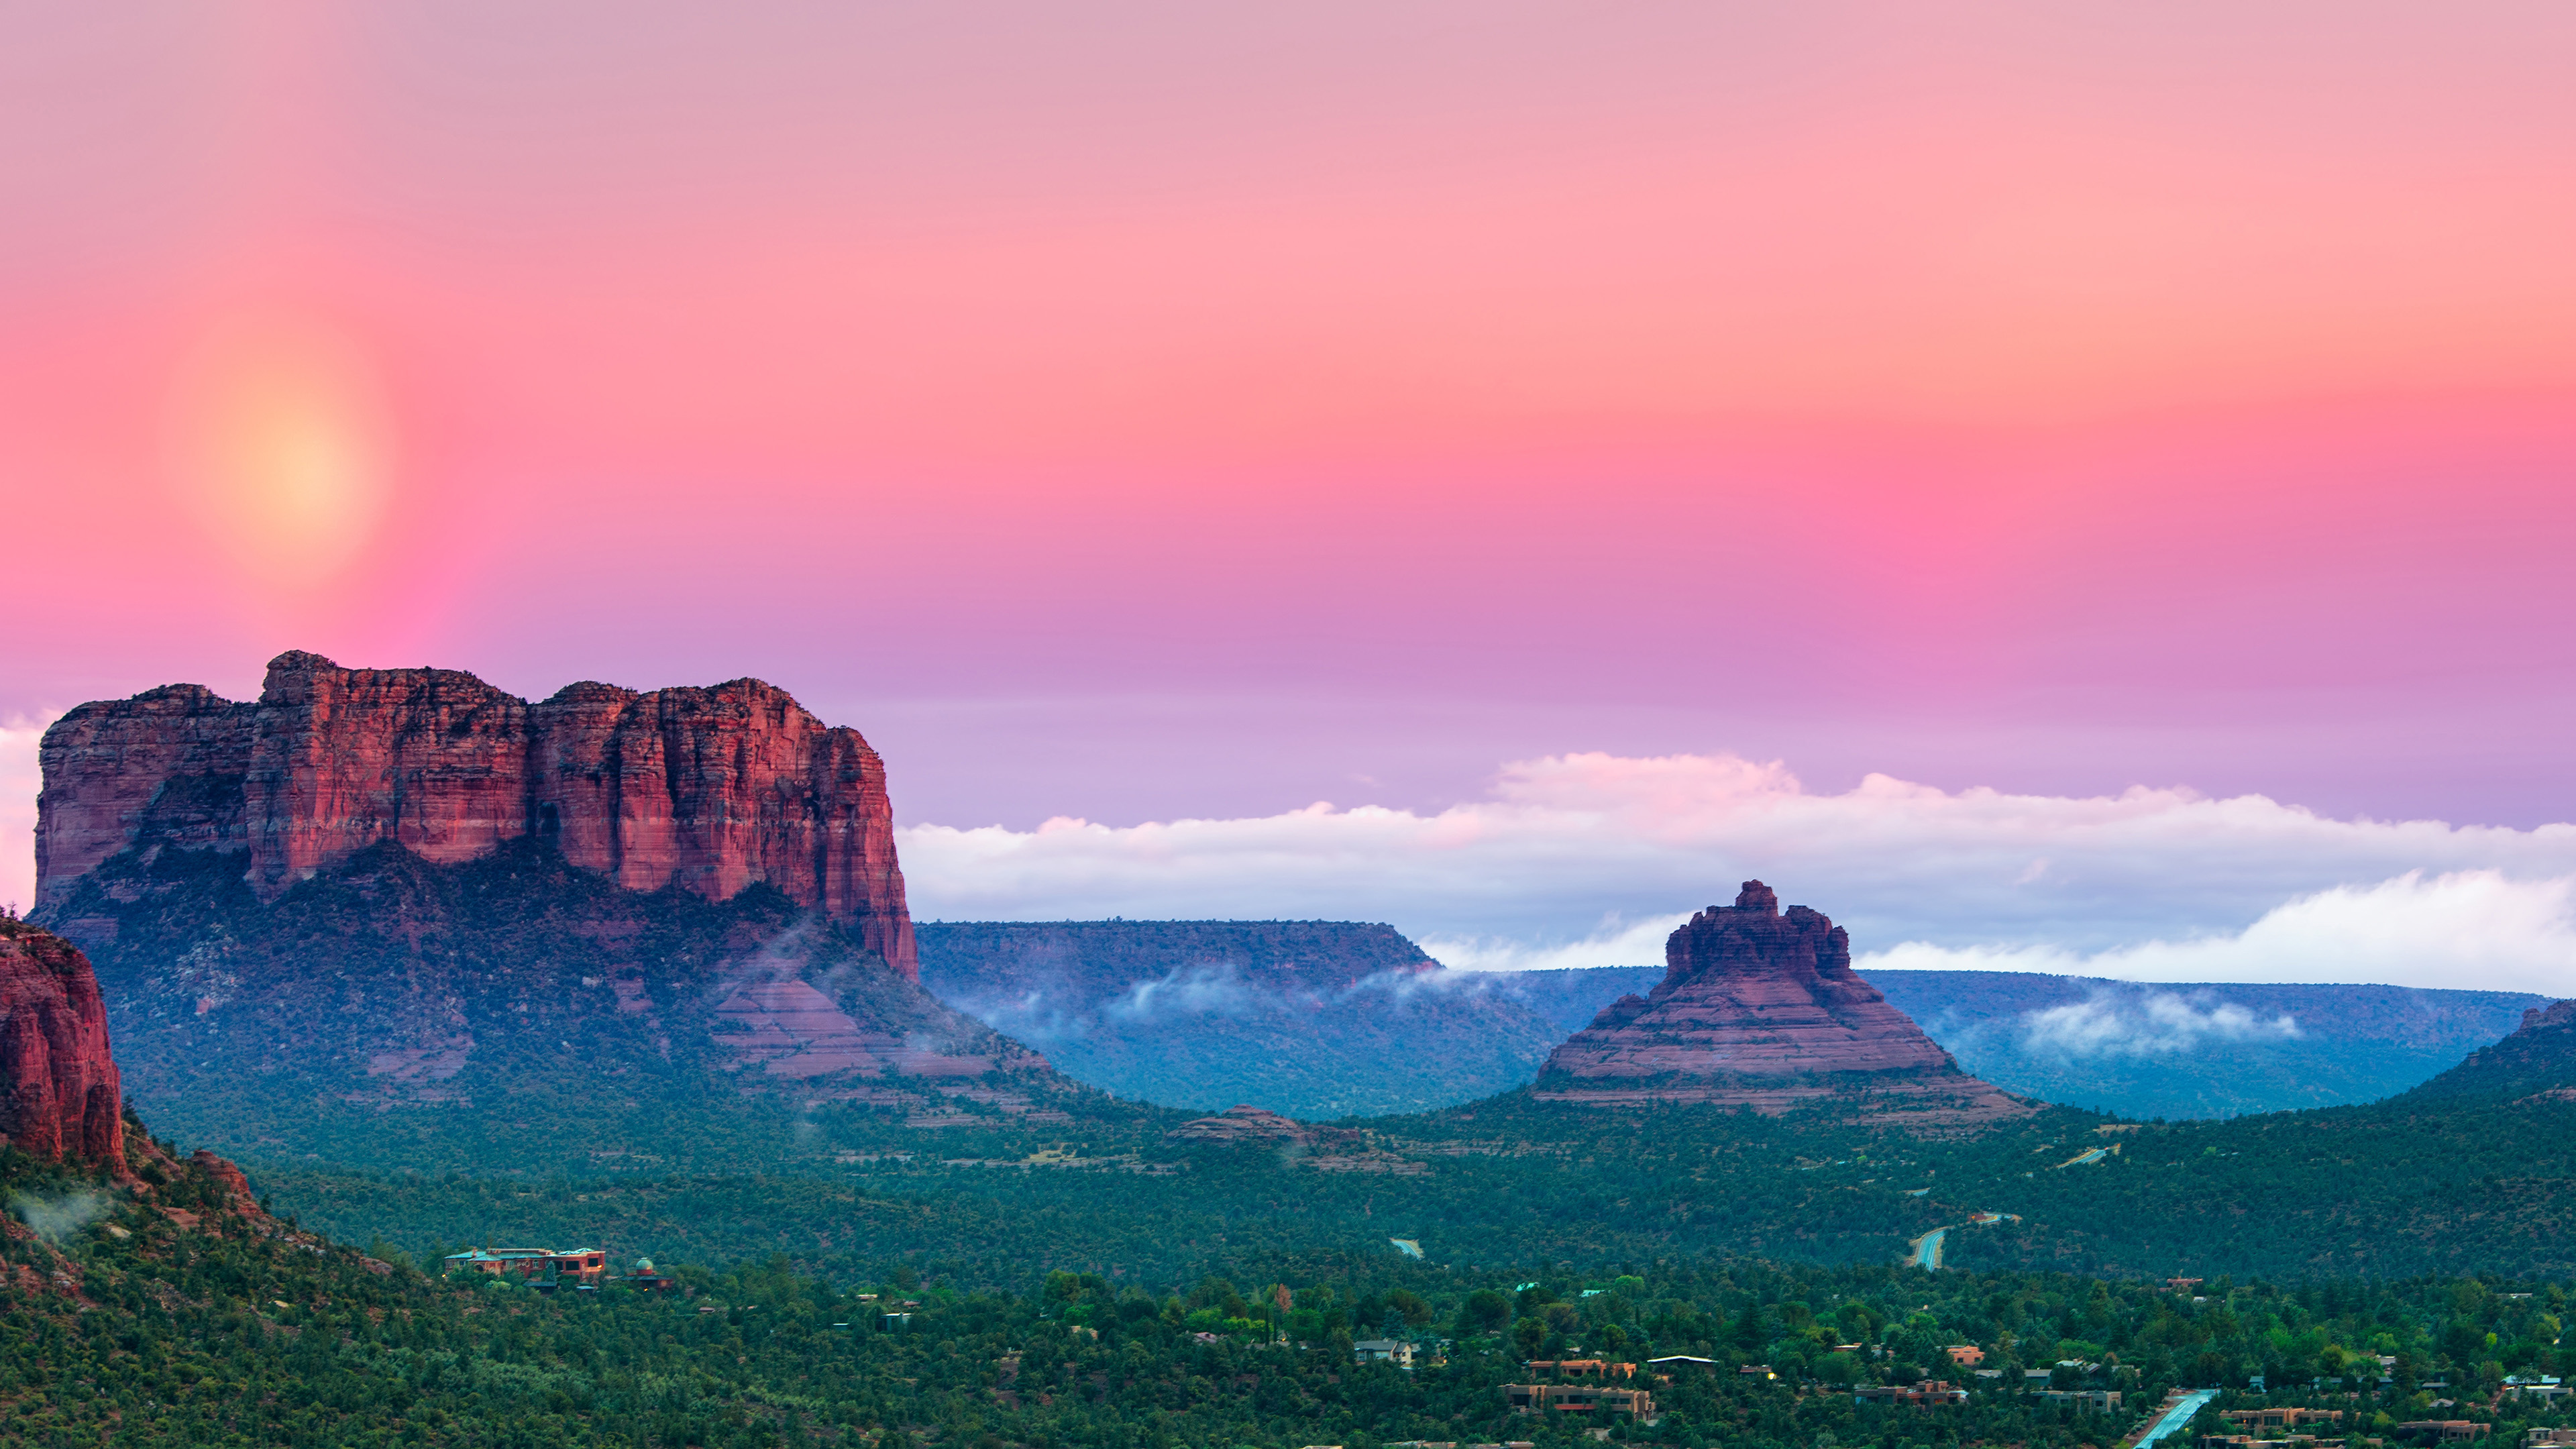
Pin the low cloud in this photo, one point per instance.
(1586, 860)
(1212, 989)
(57, 1216)
(1610, 944)
(20, 779)
(2158, 1023)
(2467, 928)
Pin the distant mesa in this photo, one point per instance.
(1760, 1008)
(1317, 1019)
(713, 789)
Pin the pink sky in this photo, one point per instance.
(1158, 410)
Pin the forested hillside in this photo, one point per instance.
(130, 1327)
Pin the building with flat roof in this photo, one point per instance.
(1588, 1368)
(519, 1262)
(1929, 1394)
(1578, 1399)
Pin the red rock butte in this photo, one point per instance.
(1760, 1008)
(712, 789)
(59, 1094)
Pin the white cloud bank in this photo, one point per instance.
(2159, 1023)
(1581, 860)
(2468, 928)
(1588, 859)
(19, 782)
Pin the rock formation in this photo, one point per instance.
(2537, 1060)
(714, 789)
(1241, 1124)
(1759, 1008)
(59, 1095)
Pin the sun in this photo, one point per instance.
(284, 447)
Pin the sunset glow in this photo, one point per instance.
(1155, 413)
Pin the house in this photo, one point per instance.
(1591, 1368)
(2437, 1430)
(1930, 1394)
(589, 1265)
(1966, 1355)
(2283, 1418)
(2536, 1438)
(1383, 1350)
(2100, 1401)
(518, 1262)
(1578, 1399)
(1672, 1360)
(1756, 1371)
(2543, 1391)
(2182, 1285)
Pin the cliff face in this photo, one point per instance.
(714, 789)
(1761, 1008)
(59, 1094)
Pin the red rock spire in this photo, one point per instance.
(59, 1094)
(1761, 1007)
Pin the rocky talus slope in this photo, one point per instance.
(713, 790)
(1760, 1008)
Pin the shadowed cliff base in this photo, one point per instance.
(516, 1013)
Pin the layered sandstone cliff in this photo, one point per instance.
(59, 1095)
(713, 789)
(1761, 1008)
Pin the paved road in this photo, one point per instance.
(2177, 1416)
(1927, 1249)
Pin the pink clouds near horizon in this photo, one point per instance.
(1151, 411)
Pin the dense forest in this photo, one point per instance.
(123, 1326)
(2426, 1185)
